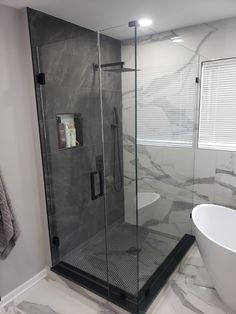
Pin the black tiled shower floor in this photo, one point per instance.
(121, 269)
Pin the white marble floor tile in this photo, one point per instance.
(163, 308)
(51, 297)
(188, 291)
(193, 287)
(169, 301)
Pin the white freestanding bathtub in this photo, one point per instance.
(215, 231)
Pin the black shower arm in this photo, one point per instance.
(105, 65)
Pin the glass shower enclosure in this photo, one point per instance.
(113, 206)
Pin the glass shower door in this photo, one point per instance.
(72, 150)
(117, 70)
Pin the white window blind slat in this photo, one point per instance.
(166, 99)
(217, 128)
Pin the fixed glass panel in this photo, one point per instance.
(74, 170)
(117, 70)
(69, 112)
(166, 106)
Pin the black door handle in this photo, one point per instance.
(95, 196)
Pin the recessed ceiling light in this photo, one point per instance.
(177, 39)
(145, 22)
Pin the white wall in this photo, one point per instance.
(19, 152)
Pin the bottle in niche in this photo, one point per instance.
(68, 136)
(73, 136)
(78, 129)
(61, 134)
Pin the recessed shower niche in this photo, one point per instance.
(69, 130)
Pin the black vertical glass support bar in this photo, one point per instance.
(136, 147)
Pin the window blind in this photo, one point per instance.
(217, 128)
(166, 100)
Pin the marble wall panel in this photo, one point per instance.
(67, 54)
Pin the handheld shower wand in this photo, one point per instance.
(117, 170)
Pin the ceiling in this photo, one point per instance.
(100, 14)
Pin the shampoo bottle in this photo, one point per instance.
(61, 134)
(73, 137)
(68, 136)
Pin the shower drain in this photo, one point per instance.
(133, 250)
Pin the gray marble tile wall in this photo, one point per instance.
(182, 176)
(66, 55)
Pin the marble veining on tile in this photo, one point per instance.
(33, 308)
(190, 290)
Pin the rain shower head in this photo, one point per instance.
(113, 67)
(119, 70)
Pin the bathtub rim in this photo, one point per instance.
(195, 209)
(145, 205)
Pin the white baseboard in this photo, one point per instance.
(22, 288)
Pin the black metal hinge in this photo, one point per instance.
(41, 78)
(56, 241)
(197, 80)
